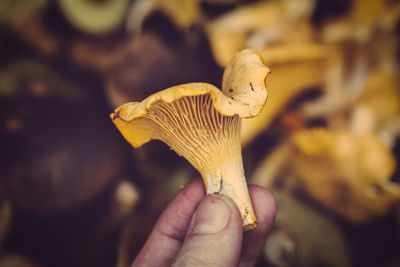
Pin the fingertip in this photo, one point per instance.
(264, 204)
(235, 213)
(217, 208)
(212, 215)
(174, 220)
(216, 229)
(193, 189)
(194, 183)
(265, 208)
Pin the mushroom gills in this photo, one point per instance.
(210, 141)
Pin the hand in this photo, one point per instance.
(198, 230)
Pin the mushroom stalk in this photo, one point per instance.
(229, 180)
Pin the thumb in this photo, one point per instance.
(214, 237)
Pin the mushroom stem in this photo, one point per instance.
(229, 180)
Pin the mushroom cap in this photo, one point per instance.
(243, 94)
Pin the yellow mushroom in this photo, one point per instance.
(258, 25)
(349, 174)
(95, 17)
(183, 13)
(306, 64)
(202, 124)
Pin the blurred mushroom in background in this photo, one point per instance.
(184, 13)
(347, 173)
(24, 19)
(68, 158)
(95, 17)
(259, 25)
(14, 10)
(367, 41)
(123, 202)
(303, 237)
(147, 63)
(377, 109)
(5, 219)
(15, 260)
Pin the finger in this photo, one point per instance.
(265, 207)
(214, 237)
(170, 230)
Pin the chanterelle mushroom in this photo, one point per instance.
(202, 124)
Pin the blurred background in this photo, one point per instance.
(74, 193)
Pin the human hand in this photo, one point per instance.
(199, 230)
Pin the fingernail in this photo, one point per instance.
(211, 216)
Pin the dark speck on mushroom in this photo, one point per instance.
(252, 88)
(230, 90)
